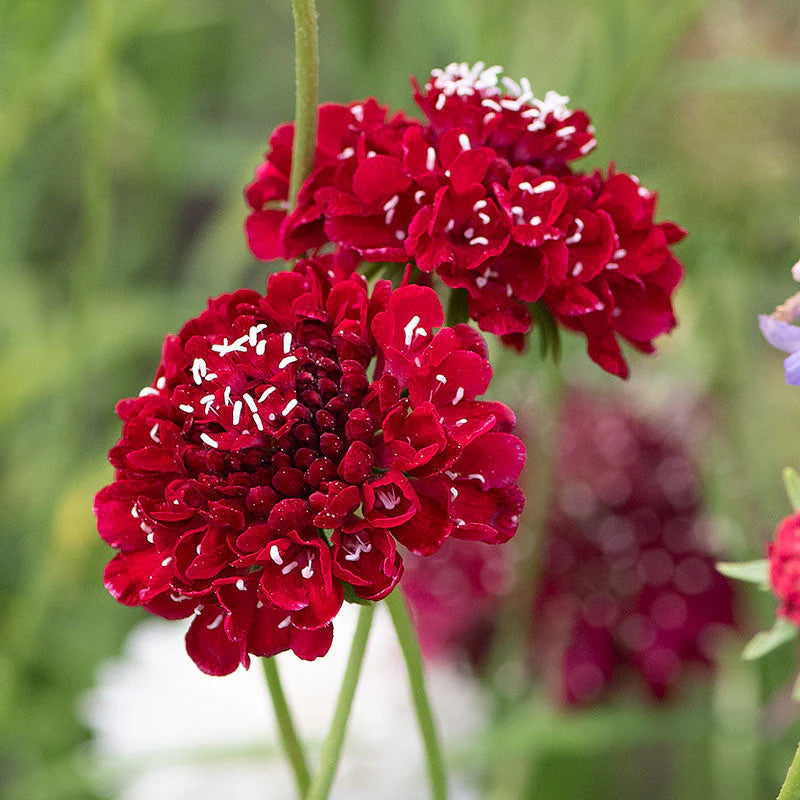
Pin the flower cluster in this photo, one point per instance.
(628, 583)
(288, 443)
(482, 194)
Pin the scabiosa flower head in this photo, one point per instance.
(784, 568)
(288, 442)
(629, 583)
(485, 196)
(781, 332)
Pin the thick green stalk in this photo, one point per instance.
(332, 747)
(306, 44)
(791, 786)
(407, 637)
(288, 733)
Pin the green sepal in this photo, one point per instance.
(749, 571)
(766, 641)
(791, 480)
(549, 333)
(350, 596)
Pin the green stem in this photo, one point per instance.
(791, 786)
(407, 637)
(332, 747)
(288, 734)
(306, 44)
(457, 307)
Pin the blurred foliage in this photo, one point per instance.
(127, 132)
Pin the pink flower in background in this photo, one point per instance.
(483, 195)
(628, 585)
(288, 443)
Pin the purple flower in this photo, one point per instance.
(780, 332)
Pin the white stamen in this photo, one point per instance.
(391, 202)
(469, 233)
(621, 253)
(399, 235)
(237, 412)
(480, 281)
(409, 330)
(261, 347)
(577, 269)
(289, 406)
(161, 382)
(450, 225)
(461, 422)
(286, 361)
(254, 331)
(566, 131)
(477, 476)
(418, 195)
(485, 218)
(441, 378)
(348, 152)
(216, 623)
(208, 440)
(430, 160)
(358, 112)
(275, 555)
(546, 186)
(199, 370)
(154, 434)
(463, 140)
(479, 240)
(166, 561)
(251, 404)
(147, 390)
(267, 393)
(525, 186)
(258, 422)
(459, 395)
(289, 567)
(307, 571)
(240, 584)
(188, 409)
(134, 512)
(287, 341)
(226, 396)
(388, 499)
(453, 492)
(440, 101)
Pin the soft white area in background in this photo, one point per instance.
(152, 706)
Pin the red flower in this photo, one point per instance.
(288, 442)
(784, 568)
(485, 197)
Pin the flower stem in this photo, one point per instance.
(306, 45)
(407, 637)
(791, 786)
(332, 747)
(288, 734)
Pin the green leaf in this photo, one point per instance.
(766, 641)
(796, 690)
(549, 333)
(791, 480)
(749, 571)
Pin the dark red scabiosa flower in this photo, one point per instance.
(484, 195)
(287, 444)
(629, 582)
(348, 136)
(784, 568)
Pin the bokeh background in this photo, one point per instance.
(127, 132)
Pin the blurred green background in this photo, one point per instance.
(127, 132)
